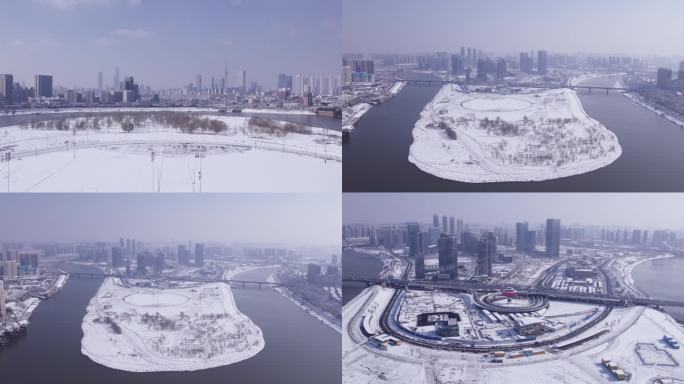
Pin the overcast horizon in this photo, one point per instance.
(289, 219)
(642, 210)
(167, 43)
(643, 28)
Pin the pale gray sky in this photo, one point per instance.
(654, 210)
(168, 42)
(295, 219)
(642, 27)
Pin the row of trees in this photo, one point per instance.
(127, 122)
(276, 128)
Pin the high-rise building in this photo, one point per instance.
(117, 80)
(525, 62)
(117, 257)
(664, 78)
(553, 237)
(313, 273)
(459, 228)
(413, 233)
(485, 254)
(100, 84)
(198, 83)
(481, 70)
(521, 236)
(452, 226)
(333, 260)
(457, 65)
(542, 67)
(435, 221)
(183, 255)
(6, 89)
(446, 249)
(141, 268)
(680, 75)
(199, 254)
(3, 309)
(43, 86)
(244, 80)
(420, 266)
(132, 87)
(444, 224)
(501, 69)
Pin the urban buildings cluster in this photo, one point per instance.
(19, 263)
(323, 274)
(664, 78)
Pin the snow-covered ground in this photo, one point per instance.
(396, 87)
(185, 328)
(157, 158)
(352, 114)
(408, 363)
(494, 137)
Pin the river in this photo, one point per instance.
(376, 154)
(299, 348)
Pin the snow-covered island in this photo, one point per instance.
(168, 151)
(530, 135)
(184, 328)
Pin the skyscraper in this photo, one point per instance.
(198, 83)
(7, 89)
(199, 254)
(447, 255)
(413, 230)
(100, 84)
(43, 86)
(3, 310)
(444, 224)
(500, 69)
(680, 76)
(244, 81)
(420, 266)
(457, 65)
(525, 62)
(435, 221)
(117, 82)
(486, 253)
(521, 236)
(541, 62)
(663, 78)
(452, 226)
(553, 237)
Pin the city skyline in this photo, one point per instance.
(136, 36)
(243, 218)
(527, 25)
(622, 209)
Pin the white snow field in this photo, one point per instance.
(627, 328)
(157, 158)
(532, 135)
(186, 328)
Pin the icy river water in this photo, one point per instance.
(299, 349)
(376, 154)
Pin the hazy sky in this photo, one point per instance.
(648, 27)
(168, 42)
(296, 219)
(655, 210)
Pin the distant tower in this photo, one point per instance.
(199, 254)
(198, 83)
(3, 310)
(435, 221)
(116, 85)
(542, 65)
(244, 81)
(553, 237)
(99, 81)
